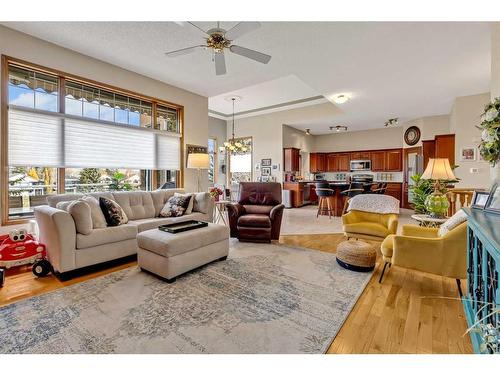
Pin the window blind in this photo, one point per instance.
(58, 141)
(35, 139)
(169, 152)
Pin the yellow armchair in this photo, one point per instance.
(422, 249)
(369, 225)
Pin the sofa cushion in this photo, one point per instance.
(161, 196)
(64, 205)
(254, 220)
(135, 204)
(256, 209)
(371, 229)
(103, 236)
(168, 245)
(152, 223)
(189, 208)
(80, 211)
(98, 219)
(54, 199)
(113, 213)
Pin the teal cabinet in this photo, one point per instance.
(483, 268)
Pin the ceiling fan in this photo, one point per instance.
(219, 40)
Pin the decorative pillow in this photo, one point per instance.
(98, 219)
(201, 202)
(113, 213)
(63, 205)
(189, 208)
(458, 218)
(175, 206)
(80, 211)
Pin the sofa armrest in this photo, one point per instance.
(276, 211)
(348, 218)
(58, 234)
(234, 211)
(416, 231)
(392, 223)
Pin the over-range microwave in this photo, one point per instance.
(361, 165)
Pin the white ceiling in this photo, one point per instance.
(404, 70)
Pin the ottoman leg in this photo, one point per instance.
(383, 271)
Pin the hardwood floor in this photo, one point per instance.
(410, 312)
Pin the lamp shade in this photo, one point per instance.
(438, 169)
(198, 161)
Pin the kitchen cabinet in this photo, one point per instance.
(317, 162)
(360, 155)
(338, 162)
(395, 190)
(301, 192)
(393, 160)
(291, 159)
(313, 197)
(378, 161)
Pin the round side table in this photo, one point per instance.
(220, 212)
(428, 221)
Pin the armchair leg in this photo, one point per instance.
(459, 285)
(383, 271)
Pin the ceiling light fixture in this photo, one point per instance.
(339, 128)
(391, 122)
(340, 99)
(235, 146)
(308, 131)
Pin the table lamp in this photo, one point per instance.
(438, 170)
(198, 161)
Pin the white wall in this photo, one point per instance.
(360, 140)
(429, 126)
(495, 60)
(25, 47)
(464, 117)
(296, 138)
(217, 129)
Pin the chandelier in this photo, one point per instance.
(235, 146)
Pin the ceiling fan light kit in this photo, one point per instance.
(219, 40)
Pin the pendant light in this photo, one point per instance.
(235, 146)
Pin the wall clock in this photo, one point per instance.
(412, 135)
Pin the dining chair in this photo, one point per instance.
(355, 188)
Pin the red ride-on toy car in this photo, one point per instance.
(18, 248)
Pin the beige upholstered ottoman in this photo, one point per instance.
(356, 255)
(169, 255)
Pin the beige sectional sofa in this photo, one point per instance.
(69, 250)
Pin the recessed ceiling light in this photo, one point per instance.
(340, 99)
(391, 122)
(339, 128)
(308, 131)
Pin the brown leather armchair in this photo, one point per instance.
(257, 215)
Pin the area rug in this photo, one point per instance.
(262, 299)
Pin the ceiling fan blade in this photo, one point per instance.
(183, 51)
(197, 27)
(220, 63)
(250, 53)
(241, 29)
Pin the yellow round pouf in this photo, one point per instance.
(356, 255)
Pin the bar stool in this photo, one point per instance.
(325, 196)
(355, 188)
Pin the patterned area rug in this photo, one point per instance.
(262, 299)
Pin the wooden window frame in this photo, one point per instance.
(7, 61)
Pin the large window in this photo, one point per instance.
(97, 140)
(212, 154)
(240, 164)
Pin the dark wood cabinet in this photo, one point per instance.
(317, 162)
(291, 159)
(445, 147)
(343, 162)
(393, 160)
(378, 161)
(360, 155)
(338, 162)
(395, 190)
